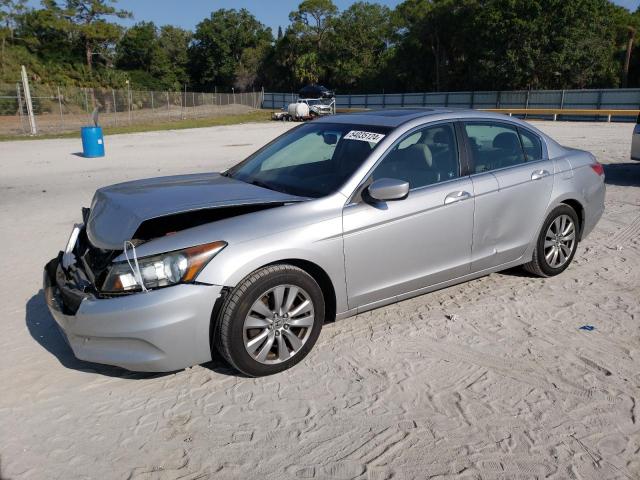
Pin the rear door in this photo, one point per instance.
(512, 180)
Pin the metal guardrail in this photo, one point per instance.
(612, 104)
(609, 113)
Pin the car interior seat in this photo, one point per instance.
(413, 164)
(444, 154)
(508, 150)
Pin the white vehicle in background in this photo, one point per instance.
(305, 109)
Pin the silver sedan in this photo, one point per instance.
(335, 217)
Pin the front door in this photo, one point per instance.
(400, 246)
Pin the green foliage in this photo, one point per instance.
(359, 55)
(421, 45)
(218, 45)
(86, 21)
(155, 59)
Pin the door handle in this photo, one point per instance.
(538, 174)
(456, 197)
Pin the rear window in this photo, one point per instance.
(494, 146)
(531, 144)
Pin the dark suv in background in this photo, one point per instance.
(315, 91)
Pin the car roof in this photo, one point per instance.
(394, 117)
(399, 116)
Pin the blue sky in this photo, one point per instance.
(187, 13)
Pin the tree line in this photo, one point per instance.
(421, 45)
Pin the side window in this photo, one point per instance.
(494, 145)
(532, 145)
(427, 156)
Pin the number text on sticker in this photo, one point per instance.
(364, 136)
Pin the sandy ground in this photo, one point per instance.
(489, 379)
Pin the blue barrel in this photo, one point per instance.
(92, 142)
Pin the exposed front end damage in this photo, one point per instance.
(159, 330)
(152, 207)
(148, 329)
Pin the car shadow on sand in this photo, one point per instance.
(44, 330)
(622, 174)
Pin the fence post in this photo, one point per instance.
(152, 105)
(27, 97)
(446, 100)
(115, 107)
(498, 98)
(424, 99)
(129, 100)
(86, 100)
(402, 100)
(526, 104)
(20, 107)
(168, 107)
(60, 107)
(183, 103)
(473, 99)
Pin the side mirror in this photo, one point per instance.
(386, 189)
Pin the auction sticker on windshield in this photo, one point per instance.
(364, 136)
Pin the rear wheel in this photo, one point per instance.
(271, 320)
(556, 244)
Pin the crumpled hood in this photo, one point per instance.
(118, 210)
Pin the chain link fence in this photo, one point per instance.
(64, 109)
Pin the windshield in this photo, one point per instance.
(312, 160)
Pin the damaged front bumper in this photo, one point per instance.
(158, 331)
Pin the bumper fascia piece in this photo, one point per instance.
(158, 331)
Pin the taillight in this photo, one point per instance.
(598, 168)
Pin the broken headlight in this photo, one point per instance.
(179, 266)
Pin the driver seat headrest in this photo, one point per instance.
(507, 141)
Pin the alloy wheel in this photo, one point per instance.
(278, 324)
(559, 241)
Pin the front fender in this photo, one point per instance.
(320, 244)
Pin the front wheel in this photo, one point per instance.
(271, 320)
(556, 244)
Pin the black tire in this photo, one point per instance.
(229, 331)
(539, 264)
